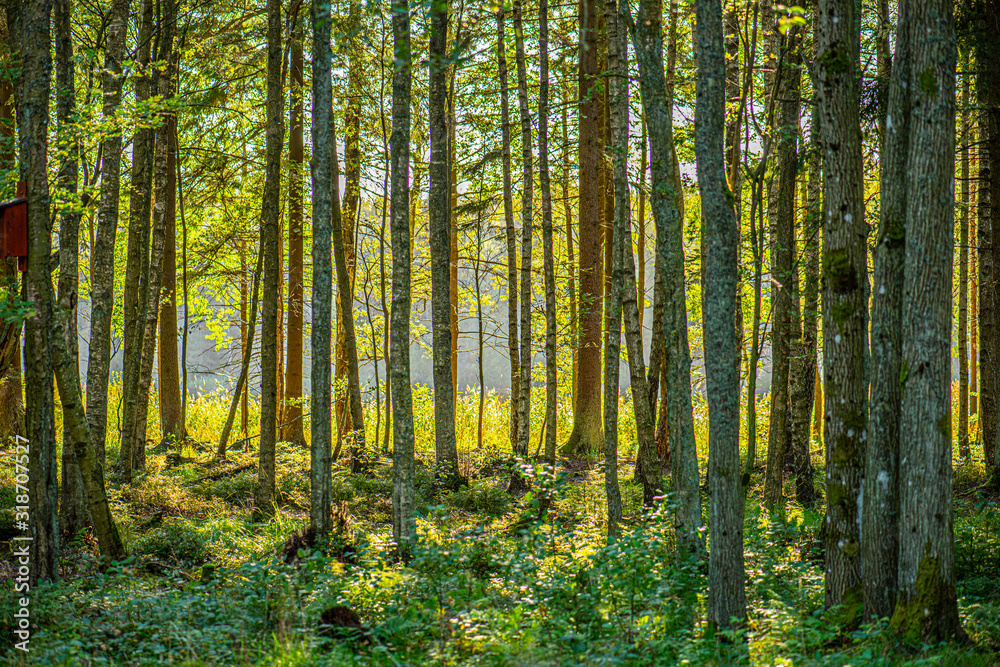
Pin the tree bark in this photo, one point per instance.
(548, 249)
(264, 497)
(439, 211)
(527, 196)
(292, 430)
(508, 214)
(586, 436)
(726, 588)
(32, 119)
(648, 40)
(320, 484)
(963, 275)
(926, 607)
(102, 277)
(844, 251)
(73, 515)
(171, 425)
(403, 509)
(137, 269)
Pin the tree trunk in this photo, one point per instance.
(292, 430)
(781, 211)
(171, 425)
(548, 250)
(137, 269)
(32, 116)
(352, 202)
(927, 609)
(73, 516)
(880, 515)
(102, 277)
(963, 275)
(726, 589)
(508, 214)
(618, 117)
(988, 221)
(647, 38)
(571, 286)
(403, 510)
(320, 484)
(264, 497)
(586, 436)
(844, 251)
(439, 209)
(154, 272)
(344, 286)
(527, 196)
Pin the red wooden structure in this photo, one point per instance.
(14, 228)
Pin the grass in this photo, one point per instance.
(487, 585)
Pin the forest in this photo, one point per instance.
(613, 332)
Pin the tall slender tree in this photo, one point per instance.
(102, 279)
(403, 509)
(726, 588)
(269, 230)
(446, 451)
(844, 251)
(548, 248)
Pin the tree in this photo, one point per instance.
(586, 436)
(269, 231)
(963, 274)
(102, 277)
(548, 248)
(171, 424)
(446, 451)
(320, 484)
(403, 509)
(726, 589)
(32, 117)
(292, 412)
(137, 268)
(926, 607)
(880, 515)
(648, 41)
(527, 196)
(508, 214)
(844, 268)
(782, 215)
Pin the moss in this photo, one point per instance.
(930, 612)
(840, 271)
(841, 311)
(904, 373)
(848, 614)
(928, 82)
(944, 425)
(836, 61)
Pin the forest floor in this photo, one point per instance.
(489, 583)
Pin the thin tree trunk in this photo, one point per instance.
(320, 484)
(926, 607)
(137, 269)
(640, 241)
(73, 515)
(726, 589)
(403, 509)
(623, 297)
(292, 430)
(571, 285)
(988, 93)
(548, 249)
(102, 277)
(269, 231)
(383, 291)
(586, 436)
(880, 514)
(345, 287)
(844, 251)
(169, 381)
(34, 30)
(781, 211)
(527, 196)
(508, 214)
(446, 451)
(963, 275)
(648, 40)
